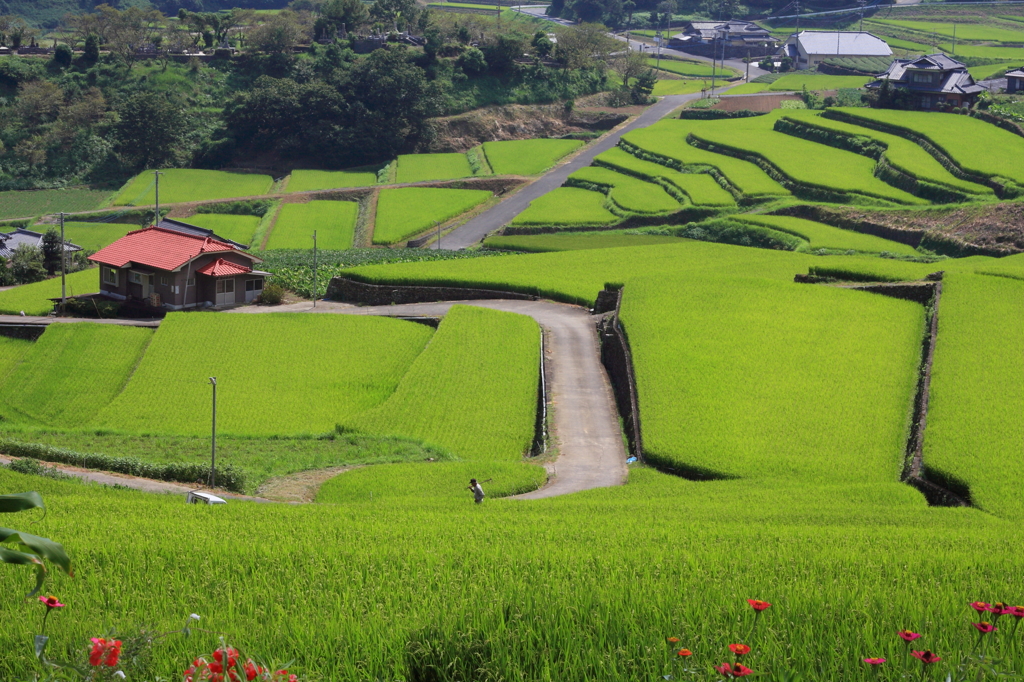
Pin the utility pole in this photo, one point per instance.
(213, 439)
(954, 38)
(797, 10)
(438, 226)
(314, 268)
(63, 267)
(748, 65)
(156, 217)
(714, 61)
(861, 27)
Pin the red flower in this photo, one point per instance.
(96, 653)
(740, 670)
(758, 605)
(1017, 611)
(252, 670)
(113, 653)
(684, 652)
(925, 657)
(739, 649)
(232, 656)
(51, 602)
(874, 661)
(673, 640)
(908, 636)
(985, 627)
(980, 606)
(724, 669)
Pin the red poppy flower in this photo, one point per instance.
(925, 657)
(985, 627)
(99, 645)
(980, 606)
(907, 635)
(673, 640)
(252, 670)
(684, 652)
(739, 670)
(739, 649)
(874, 661)
(51, 602)
(758, 605)
(232, 656)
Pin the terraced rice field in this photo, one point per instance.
(805, 162)
(964, 31)
(902, 153)
(472, 392)
(628, 192)
(91, 236)
(821, 236)
(572, 241)
(311, 180)
(353, 364)
(30, 203)
(183, 185)
(700, 188)
(795, 82)
(527, 157)
(404, 212)
(967, 140)
(691, 69)
(667, 138)
(238, 228)
(567, 207)
(333, 221)
(442, 480)
(677, 86)
(423, 167)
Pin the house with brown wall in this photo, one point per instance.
(173, 270)
(935, 82)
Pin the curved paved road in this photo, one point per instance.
(585, 427)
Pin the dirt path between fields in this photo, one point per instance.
(585, 426)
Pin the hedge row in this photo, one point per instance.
(230, 477)
(716, 114)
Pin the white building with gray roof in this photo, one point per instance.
(807, 49)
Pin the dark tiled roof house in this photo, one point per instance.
(9, 241)
(173, 270)
(1015, 81)
(935, 82)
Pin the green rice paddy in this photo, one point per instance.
(31, 203)
(238, 228)
(700, 188)
(91, 236)
(963, 31)
(527, 157)
(628, 192)
(404, 212)
(333, 221)
(567, 207)
(311, 180)
(184, 185)
(423, 167)
(573, 241)
(691, 69)
(33, 299)
(821, 236)
(795, 82)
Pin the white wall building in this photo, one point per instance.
(807, 49)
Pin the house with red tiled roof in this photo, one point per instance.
(168, 269)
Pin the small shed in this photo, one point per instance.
(1015, 81)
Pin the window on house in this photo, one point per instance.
(110, 276)
(190, 282)
(164, 281)
(254, 285)
(921, 78)
(135, 277)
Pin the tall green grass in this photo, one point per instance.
(72, 372)
(473, 391)
(433, 481)
(277, 374)
(334, 222)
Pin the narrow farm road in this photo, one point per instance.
(479, 227)
(585, 427)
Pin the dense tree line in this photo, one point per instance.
(107, 111)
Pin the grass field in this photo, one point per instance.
(678, 86)
(964, 31)
(311, 180)
(967, 140)
(981, 73)
(629, 192)
(797, 81)
(668, 138)
(691, 69)
(567, 207)
(31, 203)
(527, 157)
(902, 153)
(573, 241)
(91, 236)
(423, 167)
(473, 391)
(313, 371)
(239, 228)
(334, 221)
(441, 480)
(33, 299)
(404, 212)
(806, 162)
(701, 188)
(821, 236)
(981, 51)
(179, 185)
(72, 372)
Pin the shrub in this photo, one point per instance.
(272, 294)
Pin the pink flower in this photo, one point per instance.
(985, 627)
(51, 602)
(980, 606)
(908, 636)
(874, 661)
(926, 657)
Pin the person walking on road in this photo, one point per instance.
(478, 492)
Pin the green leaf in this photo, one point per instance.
(41, 547)
(40, 642)
(20, 502)
(10, 556)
